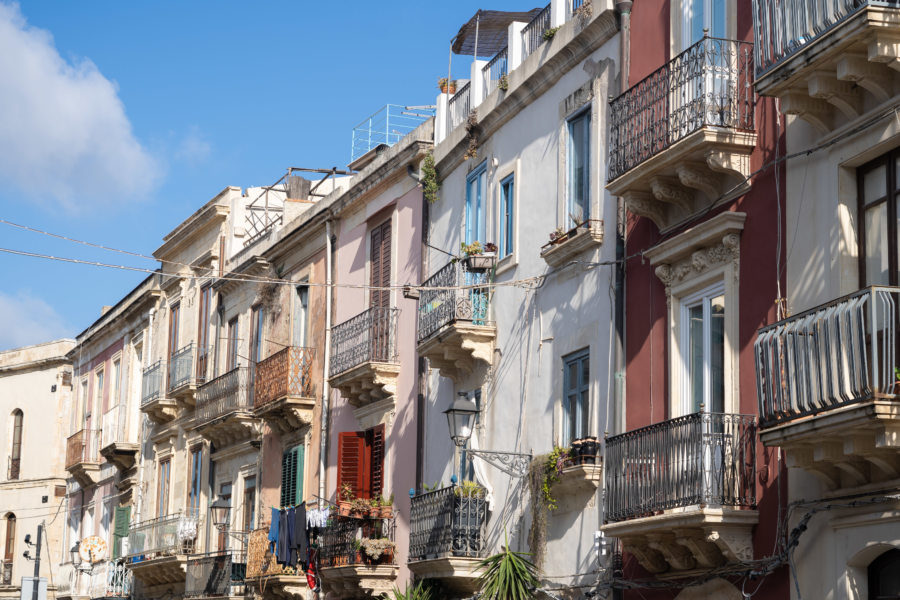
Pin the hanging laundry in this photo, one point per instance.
(301, 537)
(273, 531)
(283, 547)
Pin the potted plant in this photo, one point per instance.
(447, 86)
(590, 447)
(376, 550)
(478, 259)
(345, 500)
(383, 507)
(503, 83)
(360, 507)
(558, 235)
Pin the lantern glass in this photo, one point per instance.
(76, 554)
(219, 510)
(460, 419)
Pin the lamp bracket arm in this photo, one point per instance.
(511, 463)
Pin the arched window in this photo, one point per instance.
(15, 453)
(9, 550)
(884, 576)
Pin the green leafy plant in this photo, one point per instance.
(375, 547)
(446, 85)
(549, 33)
(420, 591)
(557, 234)
(434, 486)
(430, 185)
(347, 492)
(507, 575)
(360, 506)
(470, 249)
(551, 468)
(503, 84)
(468, 489)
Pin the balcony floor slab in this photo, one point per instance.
(289, 587)
(230, 429)
(160, 410)
(162, 570)
(368, 382)
(121, 454)
(687, 538)
(457, 573)
(460, 348)
(359, 581)
(288, 413)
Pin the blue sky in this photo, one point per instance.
(119, 119)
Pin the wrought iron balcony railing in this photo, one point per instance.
(216, 574)
(288, 372)
(111, 579)
(699, 459)
(14, 468)
(836, 354)
(5, 572)
(446, 304)
(784, 28)
(177, 533)
(152, 383)
(83, 447)
(533, 33)
(709, 84)
(224, 394)
(370, 336)
(342, 541)
(460, 105)
(494, 70)
(447, 522)
(181, 368)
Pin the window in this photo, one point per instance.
(257, 331)
(579, 172)
(698, 15)
(162, 493)
(506, 215)
(884, 576)
(380, 265)
(231, 348)
(301, 314)
(116, 367)
(476, 186)
(576, 396)
(15, 451)
(9, 552)
(703, 351)
(196, 471)
(203, 332)
(879, 193)
(361, 461)
(174, 318)
(98, 391)
(292, 469)
(249, 503)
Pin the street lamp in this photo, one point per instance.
(75, 552)
(461, 418)
(220, 509)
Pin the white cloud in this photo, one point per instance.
(193, 149)
(64, 135)
(26, 319)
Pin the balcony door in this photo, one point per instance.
(476, 205)
(700, 15)
(380, 294)
(301, 315)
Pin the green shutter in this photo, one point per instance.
(300, 457)
(292, 476)
(120, 529)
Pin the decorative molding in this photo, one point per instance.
(670, 191)
(701, 261)
(377, 413)
(698, 176)
(643, 205)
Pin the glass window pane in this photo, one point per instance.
(874, 184)
(572, 377)
(585, 372)
(579, 140)
(877, 245)
(718, 27)
(717, 354)
(695, 373)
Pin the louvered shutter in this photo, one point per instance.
(375, 439)
(351, 463)
(300, 460)
(380, 263)
(120, 529)
(288, 478)
(375, 267)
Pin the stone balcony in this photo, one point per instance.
(187, 369)
(116, 445)
(154, 402)
(453, 331)
(828, 63)
(283, 393)
(681, 493)
(364, 363)
(446, 537)
(349, 573)
(680, 140)
(828, 392)
(158, 550)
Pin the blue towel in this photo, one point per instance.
(273, 530)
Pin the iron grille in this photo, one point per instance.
(784, 28)
(181, 367)
(151, 383)
(494, 70)
(446, 304)
(341, 541)
(447, 522)
(460, 105)
(370, 336)
(698, 459)
(110, 579)
(215, 574)
(286, 373)
(6, 572)
(14, 468)
(842, 352)
(172, 534)
(225, 394)
(708, 85)
(533, 33)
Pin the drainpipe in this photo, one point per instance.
(326, 364)
(151, 314)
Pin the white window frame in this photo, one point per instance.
(702, 298)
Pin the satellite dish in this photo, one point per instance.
(92, 549)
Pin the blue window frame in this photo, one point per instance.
(506, 215)
(576, 395)
(476, 188)
(579, 172)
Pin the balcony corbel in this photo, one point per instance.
(843, 95)
(870, 76)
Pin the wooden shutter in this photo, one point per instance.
(300, 460)
(120, 529)
(380, 262)
(351, 463)
(288, 478)
(375, 447)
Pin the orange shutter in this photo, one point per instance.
(375, 443)
(351, 463)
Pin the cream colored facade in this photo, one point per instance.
(36, 380)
